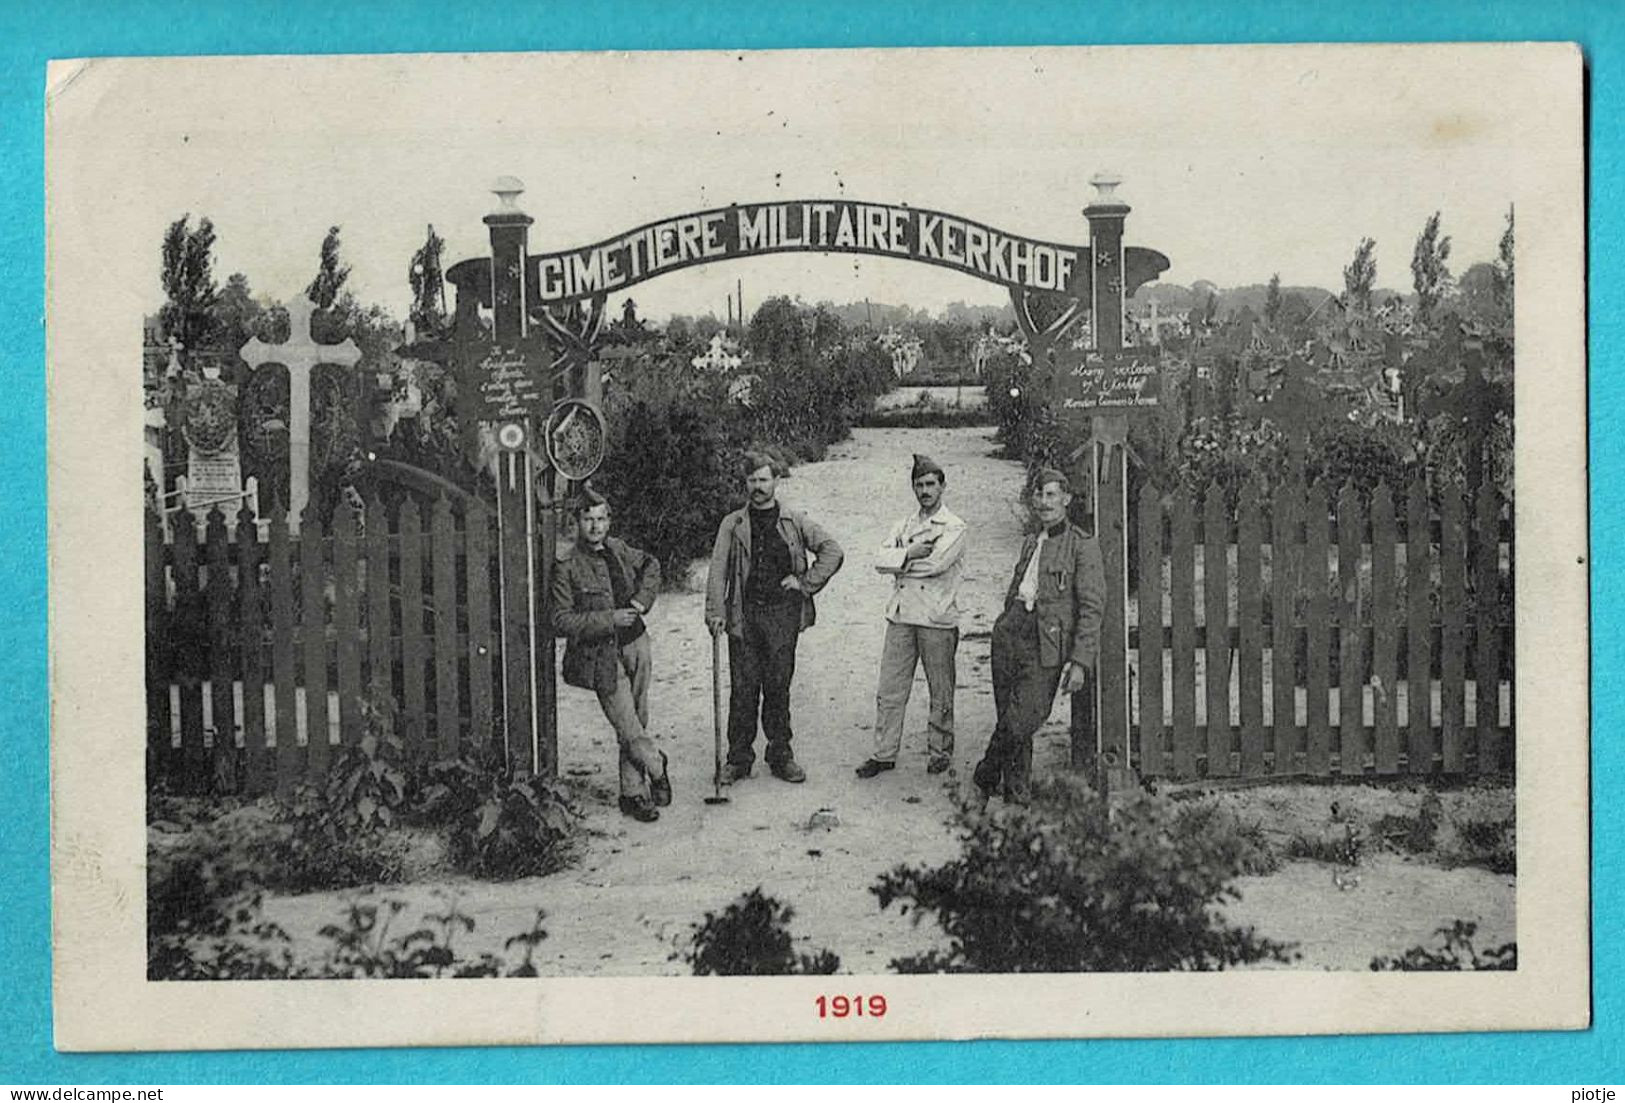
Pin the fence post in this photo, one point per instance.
(1152, 758)
(313, 626)
(1182, 615)
(1419, 630)
(1386, 612)
(1286, 584)
(1216, 627)
(446, 697)
(290, 757)
(190, 628)
(1250, 625)
(160, 662)
(1316, 579)
(1453, 636)
(222, 673)
(251, 650)
(1350, 633)
(1112, 663)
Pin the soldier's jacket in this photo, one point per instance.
(814, 559)
(584, 607)
(1071, 596)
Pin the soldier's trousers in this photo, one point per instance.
(626, 707)
(1023, 693)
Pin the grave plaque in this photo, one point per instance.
(1089, 383)
(213, 469)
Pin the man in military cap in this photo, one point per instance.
(924, 555)
(1047, 636)
(602, 587)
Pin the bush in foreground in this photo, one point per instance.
(1455, 953)
(751, 938)
(1063, 886)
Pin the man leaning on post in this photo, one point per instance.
(924, 554)
(768, 562)
(1047, 636)
(601, 589)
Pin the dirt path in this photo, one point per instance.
(639, 887)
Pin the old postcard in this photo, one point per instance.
(817, 545)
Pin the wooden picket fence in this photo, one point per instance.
(268, 653)
(1297, 631)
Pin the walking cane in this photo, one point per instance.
(716, 719)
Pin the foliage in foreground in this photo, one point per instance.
(751, 938)
(1063, 886)
(1454, 953)
(519, 828)
(240, 945)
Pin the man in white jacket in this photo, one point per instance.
(925, 557)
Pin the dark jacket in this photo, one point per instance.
(1071, 596)
(584, 607)
(730, 563)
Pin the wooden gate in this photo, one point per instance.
(1312, 631)
(268, 653)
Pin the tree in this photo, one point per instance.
(777, 335)
(428, 313)
(1272, 302)
(236, 313)
(1504, 261)
(188, 281)
(1360, 277)
(330, 276)
(1430, 272)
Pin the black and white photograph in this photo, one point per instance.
(935, 543)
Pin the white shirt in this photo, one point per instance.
(925, 591)
(1028, 590)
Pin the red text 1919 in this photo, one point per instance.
(839, 1007)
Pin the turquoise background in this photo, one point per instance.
(31, 33)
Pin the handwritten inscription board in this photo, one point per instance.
(508, 385)
(1090, 383)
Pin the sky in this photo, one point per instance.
(1237, 164)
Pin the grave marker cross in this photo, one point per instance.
(300, 354)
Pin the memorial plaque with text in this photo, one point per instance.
(1092, 383)
(507, 384)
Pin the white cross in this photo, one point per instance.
(299, 354)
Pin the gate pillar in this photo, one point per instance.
(1109, 490)
(527, 637)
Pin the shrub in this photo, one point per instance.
(1063, 886)
(362, 947)
(1209, 819)
(1455, 953)
(233, 943)
(366, 784)
(670, 470)
(202, 920)
(1491, 843)
(1342, 848)
(323, 846)
(520, 828)
(243, 946)
(751, 938)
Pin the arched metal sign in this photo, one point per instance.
(822, 226)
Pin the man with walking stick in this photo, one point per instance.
(766, 565)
